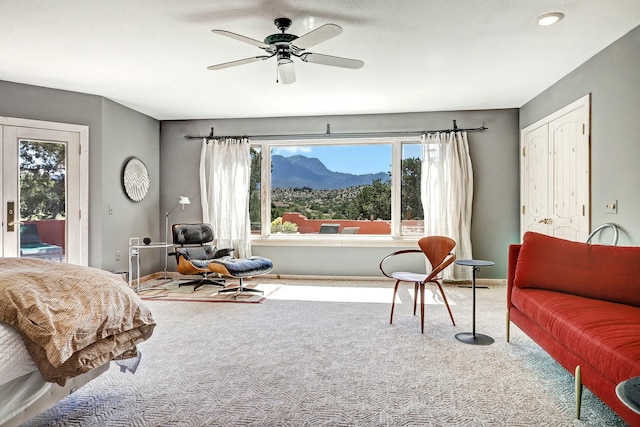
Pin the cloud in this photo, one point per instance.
(290, 151)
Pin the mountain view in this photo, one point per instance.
(300, 171)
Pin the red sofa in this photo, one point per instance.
(581, 304)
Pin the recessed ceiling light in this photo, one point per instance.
(549, 18)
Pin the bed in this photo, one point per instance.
(60, 326)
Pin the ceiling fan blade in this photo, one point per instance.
(238, 62)
(244, 39)
(334, 61)
(312, 38)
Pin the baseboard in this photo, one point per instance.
(480, 282)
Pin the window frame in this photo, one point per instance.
(265, 238)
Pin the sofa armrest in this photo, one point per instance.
(514, 252)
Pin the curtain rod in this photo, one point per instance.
(328, 134)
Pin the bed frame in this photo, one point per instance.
(55, 394)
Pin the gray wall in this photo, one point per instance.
(494, 155)
(127, 133)
(38, 103)
(115, 133)
(613, 79)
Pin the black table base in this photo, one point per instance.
(472, 337)
(477, 339)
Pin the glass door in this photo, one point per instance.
(41, 194)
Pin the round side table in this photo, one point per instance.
(473, 337)
(626, 389)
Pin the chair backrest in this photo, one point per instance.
(193, 242)
(438, 249)
(29, 234)
(350, 230)
(329, 228)
(192, 234)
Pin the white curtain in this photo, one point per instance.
(447, 194)
(225, 166)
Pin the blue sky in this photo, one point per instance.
(356, 159)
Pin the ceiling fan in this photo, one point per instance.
(285, 46)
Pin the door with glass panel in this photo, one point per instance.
(41, 192)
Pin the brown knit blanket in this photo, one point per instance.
(72, 318)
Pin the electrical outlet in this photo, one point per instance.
(117, 255)
(611, 206)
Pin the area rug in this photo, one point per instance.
(171, 290)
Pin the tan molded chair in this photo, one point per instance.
(439, 252)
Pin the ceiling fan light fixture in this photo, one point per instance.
(286, 71)
(284, 46)
(549, 18)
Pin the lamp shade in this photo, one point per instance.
(286, 71)
(184, 200)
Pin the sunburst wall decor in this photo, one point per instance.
(135, 179)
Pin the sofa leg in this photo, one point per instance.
(578, 391)
(508, 326)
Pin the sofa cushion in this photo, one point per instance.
(610, 273)
(603, 333)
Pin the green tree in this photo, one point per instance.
(277, 211)
(372, 201)
(254, 190)
(411, 172)
(42, 180)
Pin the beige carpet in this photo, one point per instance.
(170, 290)
(323, 354)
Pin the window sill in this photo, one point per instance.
(334, 240)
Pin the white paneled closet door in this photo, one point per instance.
(555, 174)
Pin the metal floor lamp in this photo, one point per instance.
(182, 200)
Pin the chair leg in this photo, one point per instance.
(422, 308)
(201, 282)
(237, 290)
(444, 297)
(415, 296)
(393, 301)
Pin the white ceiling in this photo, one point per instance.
(420, 55)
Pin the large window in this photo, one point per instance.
(352, 188)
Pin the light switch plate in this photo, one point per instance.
(611, 206)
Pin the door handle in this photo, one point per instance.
(545, 221)
(11, 216)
